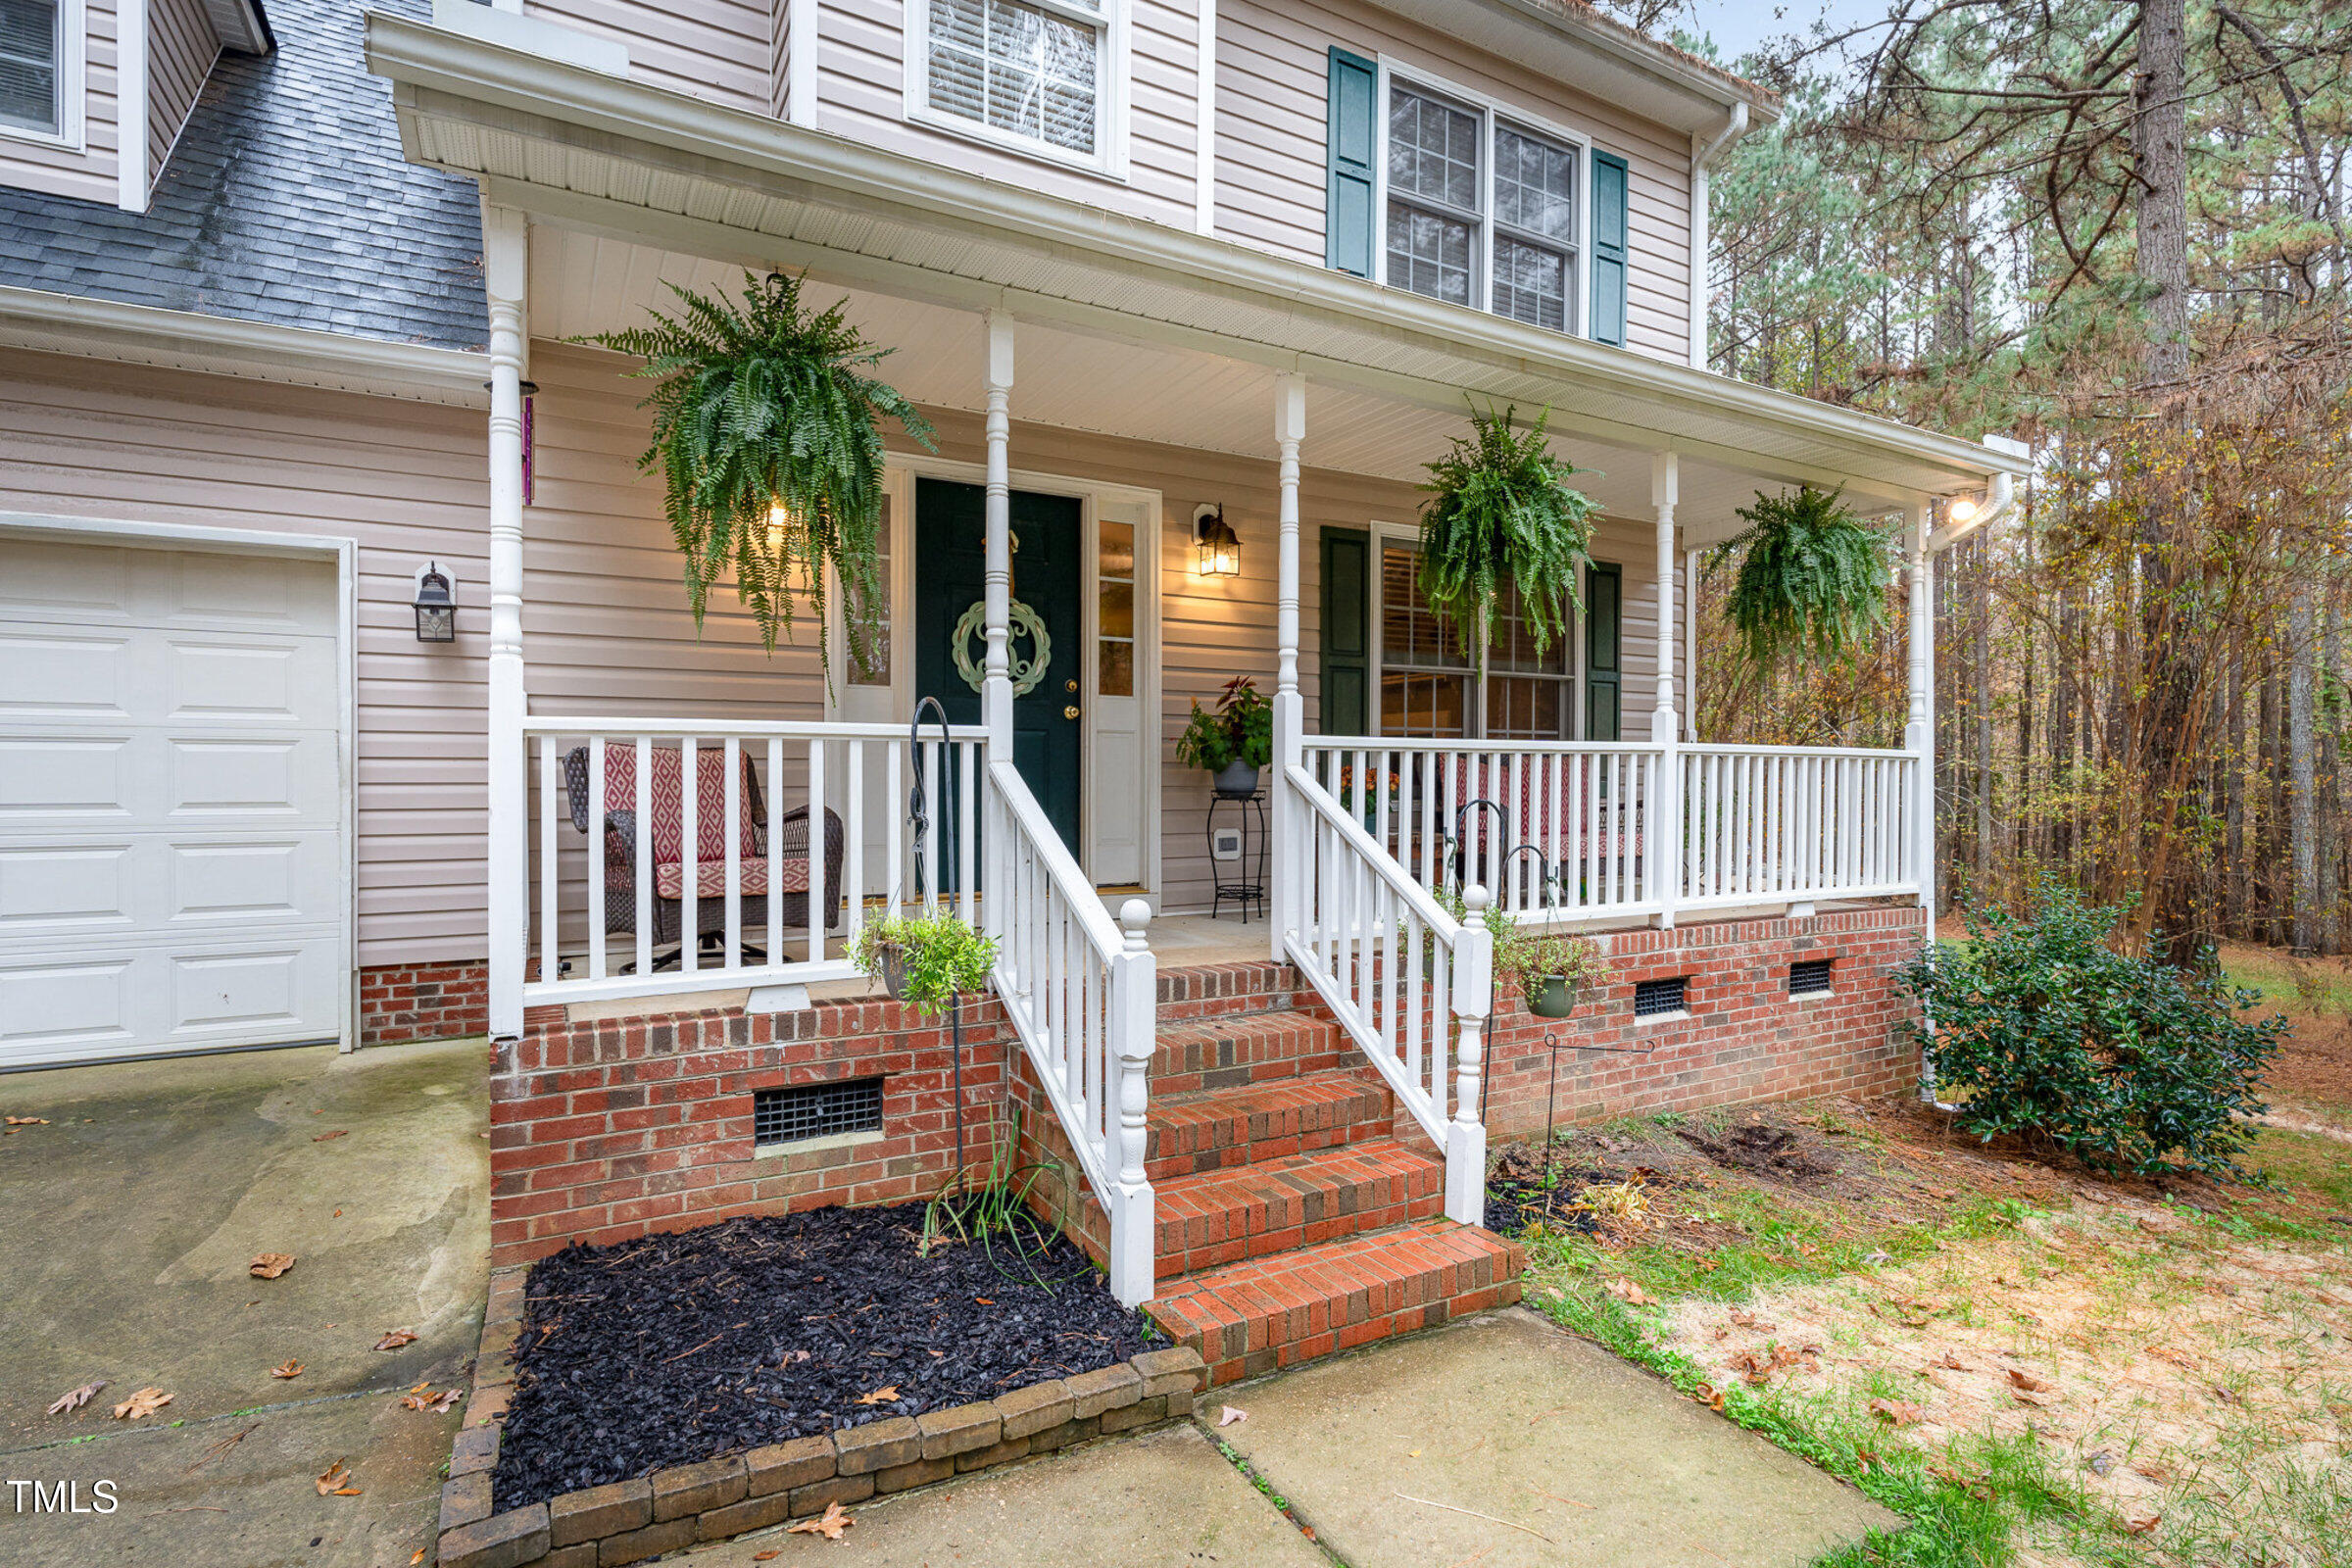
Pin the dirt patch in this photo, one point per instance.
(680, 1347)
(1761, 1149)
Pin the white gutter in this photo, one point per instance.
(2000, 498)
(219, 345)
(1734, 127)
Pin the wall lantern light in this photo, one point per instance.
(1961, 509)
(1219, 552)
(437, 605)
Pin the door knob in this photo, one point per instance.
(1071, 712)
(1069, 686)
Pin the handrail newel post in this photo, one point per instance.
(1473, 1001)
(1133, 1001)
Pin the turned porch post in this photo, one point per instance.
(506, 271)
(1662, 834)
(995, 665)
(1290, 713)
(1919, 734)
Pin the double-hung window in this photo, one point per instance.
(1032, 74)
(1481, 211)
(33, 48)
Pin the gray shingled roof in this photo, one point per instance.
(286, 201)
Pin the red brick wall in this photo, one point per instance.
(1746, 1039)
(401, 1001)
(605, 1130)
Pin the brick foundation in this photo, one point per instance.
(405, 1002)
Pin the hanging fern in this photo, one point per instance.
(1501, 513)
(1812, 577)
(769, 439)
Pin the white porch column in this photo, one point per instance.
(1662, 834)
(996, 681)
(1919, 733)
(1289, 713)
(506, 272)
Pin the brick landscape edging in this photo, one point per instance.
(628, 1521)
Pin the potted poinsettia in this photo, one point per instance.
(1232, 741)
(926, 960)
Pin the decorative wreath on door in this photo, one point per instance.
(1020, 619)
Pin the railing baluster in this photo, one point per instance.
(690, 853)
(772, 928)
(853, 916)
(966, 834)
(644, 837)
(549, 966)
(817, 909)
(733, 760)
(596, 859)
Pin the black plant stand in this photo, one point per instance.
(1245, 893)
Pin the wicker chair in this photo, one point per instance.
(791, 845)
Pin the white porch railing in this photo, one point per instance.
(1083, 996)
(1767, 824)
(1407, 980)
(683, 844)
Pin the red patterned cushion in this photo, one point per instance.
(1538, 815)
(711, 878)
(666, 810)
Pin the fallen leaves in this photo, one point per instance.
(829, 1524)
(394, 1340)
(2026, 1389)
(1629, 1293)
(141, 1405)
(888, 1394)
(74, 1398)
(1750, 1320)
(1950, 1361)
(2140, 1524)
(762, 1556)
(1895, 1412)
(270, 1265)
(423, 1397)
(28, 1121)
(1228, 1415)
(337, 1481)
(325, 1138)
(1709, 1396)
(288, 1368)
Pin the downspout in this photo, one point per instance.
(1734, 127)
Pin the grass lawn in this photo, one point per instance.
(2035, 1365)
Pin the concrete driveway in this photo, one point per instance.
(133, 1215)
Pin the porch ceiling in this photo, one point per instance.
(1127, 328)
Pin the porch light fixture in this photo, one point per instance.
(437, 605)
(1961, 509)
(1219, 552)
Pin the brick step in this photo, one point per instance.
(1216, 990)
(1279, 1204)
(1256, 1316)
(1249, 1048)
(1215, 1129)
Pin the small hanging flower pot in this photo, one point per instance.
(1555, 998)
(927, 961)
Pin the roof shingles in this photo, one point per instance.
(285, 202)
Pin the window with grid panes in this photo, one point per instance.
(1115, 609)
(31, 38)
(1423, 673)
(876, 617)
(1529, 695)
(1032, 73)
(1504, 238)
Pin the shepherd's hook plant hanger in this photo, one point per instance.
(919, 818)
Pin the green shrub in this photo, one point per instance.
(2131, 1065)
(937, 958)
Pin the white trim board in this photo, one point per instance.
(139, 534)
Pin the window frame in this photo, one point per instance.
(1391, 535)
(1490, 109)
(1108, 160)
(72, 56)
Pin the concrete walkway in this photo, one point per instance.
(1499, 1441)
(132, 1218)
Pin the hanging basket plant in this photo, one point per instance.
(767, 434)
(1811, 579)
(1500, 514)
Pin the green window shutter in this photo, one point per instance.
(1347, 636)
(1608, 249)
(1604, 652)
(1349, 150)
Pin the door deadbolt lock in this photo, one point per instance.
(1069, 686)
(1071, 712)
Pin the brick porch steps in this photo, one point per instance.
(1253, 1317)
(1215, 1129)
(1229, 1051)
(1282, 1204)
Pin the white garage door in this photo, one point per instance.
(171, 862)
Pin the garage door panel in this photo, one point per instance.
(51, 674)
(172, 868)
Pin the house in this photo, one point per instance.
(289, 317)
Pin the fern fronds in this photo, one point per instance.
(767, 432)
(1812, 577)
(1502, 514)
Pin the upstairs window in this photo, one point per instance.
(32, 49)
(1033, 75)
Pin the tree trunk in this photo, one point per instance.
(1980, 701)
(2303, 827)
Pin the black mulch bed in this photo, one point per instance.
(681, 1347)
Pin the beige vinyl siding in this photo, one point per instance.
(721, 50)
(88, 172)
(861, 95)
(1272, 91)
(83, 438)
(182, 47)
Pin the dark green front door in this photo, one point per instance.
(950, 564)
